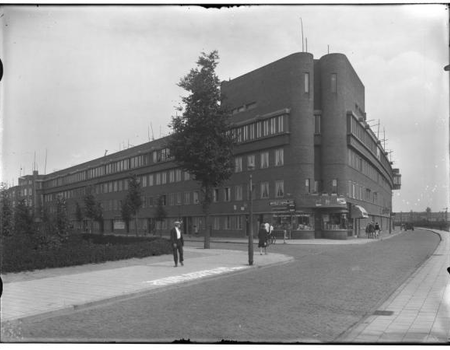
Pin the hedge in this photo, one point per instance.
(25, 253)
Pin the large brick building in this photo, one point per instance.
(317, 168)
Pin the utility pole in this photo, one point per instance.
(250, 235)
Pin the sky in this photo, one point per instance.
(82, 81)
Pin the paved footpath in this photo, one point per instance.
(418, 312)
(46, 293)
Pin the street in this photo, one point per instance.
(326, 290)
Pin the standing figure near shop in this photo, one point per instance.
(262, 236)
(176, 239)
(370, 229)
(377, 230)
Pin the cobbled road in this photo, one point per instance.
(326, 290)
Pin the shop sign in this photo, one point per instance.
(119, 225)
(326, 201)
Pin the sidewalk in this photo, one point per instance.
(55, 291)
(320, 241)
(418, 312)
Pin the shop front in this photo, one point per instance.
(332, 220)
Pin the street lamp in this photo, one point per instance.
(250, 235)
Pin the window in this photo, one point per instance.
(227, 194)
(245, 133)
(216, 223)
(306, 82)
(258, 129)
(172, 176)
(280, 123)
(238, 164)
(317, 121)
(273, 126)
(178, 175)
(279, 188)
(144, 181)
(195, 198)
(264, 190)
(187, 176)
(316, 186)
(264, 160)
(187, 197)
(333, 82)
(238, 192)
(266, 127)
(158, 178)
(251, 162)
(216, 195)
(227, 223)
(251, 128)
(307, 185)
(334, 186)
(178, 198)
(164, 178)
(279, 157)
(150, 180)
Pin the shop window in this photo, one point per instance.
(335, 221)
(304, 222)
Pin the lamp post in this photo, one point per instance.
(250, 235)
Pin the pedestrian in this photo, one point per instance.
(176, 239)
(262, 236)
(377, 229)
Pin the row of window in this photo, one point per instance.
(364, 167)
(361, 133)
(263, 128)
(114, 167)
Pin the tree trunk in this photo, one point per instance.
(136, 224)
(206, 209)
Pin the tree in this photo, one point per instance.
(125, 211)
(6, 213)
(92, 208)
(201, 142)
(79, 213)
(133, 199)
(160, 211)
(62, 218)
(23, 220)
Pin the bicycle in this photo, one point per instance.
(271, 239)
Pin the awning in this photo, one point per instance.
(359, 212)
